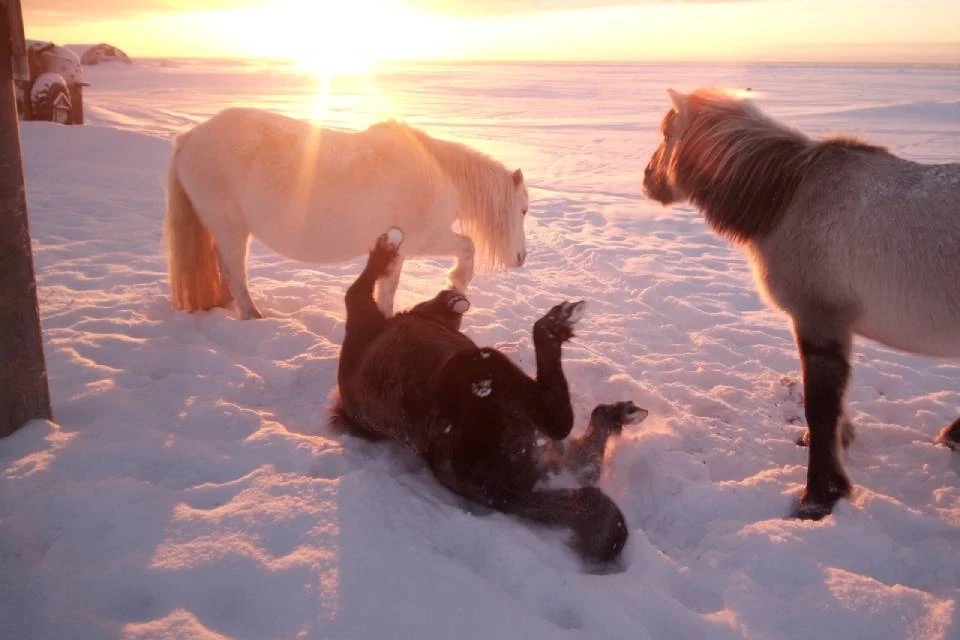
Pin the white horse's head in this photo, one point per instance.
(496, 208)
(493, 201)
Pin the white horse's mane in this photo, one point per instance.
(487, 194)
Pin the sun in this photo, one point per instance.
(329, 37)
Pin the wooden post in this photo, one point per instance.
(24, 392)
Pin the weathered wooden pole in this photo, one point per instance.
(24, 392)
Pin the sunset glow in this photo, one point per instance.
(325, 38)
(351, 36)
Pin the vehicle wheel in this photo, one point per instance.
(51, 102)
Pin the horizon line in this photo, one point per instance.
(953, 62)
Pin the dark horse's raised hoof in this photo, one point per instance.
(454, 301)
(821, 495)
(558, 323)
(392, 239)
(950, 435)
(610, 418)
(386, 251)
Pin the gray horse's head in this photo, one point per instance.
(659, 178)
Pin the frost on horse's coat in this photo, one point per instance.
(316, 195)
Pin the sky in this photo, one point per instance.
(345, 33)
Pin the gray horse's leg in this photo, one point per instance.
(825, 357)
(848, 433)
(950, 435)
(232, 258)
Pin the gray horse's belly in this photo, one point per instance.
(912, 330)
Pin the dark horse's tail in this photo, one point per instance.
(599, 529)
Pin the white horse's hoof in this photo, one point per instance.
(394, 237)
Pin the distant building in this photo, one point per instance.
(91, 54)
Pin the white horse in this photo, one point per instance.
(318, 195)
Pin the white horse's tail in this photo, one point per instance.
(195, 280)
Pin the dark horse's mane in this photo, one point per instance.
(743, 169)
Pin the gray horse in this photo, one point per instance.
(845, 237)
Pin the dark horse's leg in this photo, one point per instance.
(364, 321)
(583, 456)
(549, 334)
(599, 529)
(484, 373)
(447, 308)
(826, 372)
(364, 318)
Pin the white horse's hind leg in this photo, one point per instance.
(451, 243)
(387, 287)
(232, 257)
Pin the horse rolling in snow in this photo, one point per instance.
(314, 194)
(844, 237)
(473, 415)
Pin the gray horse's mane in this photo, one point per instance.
(742, 168)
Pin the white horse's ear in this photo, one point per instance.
(679, 101)
(517, 177)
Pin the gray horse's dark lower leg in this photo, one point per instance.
(848, 434)
(826, 371)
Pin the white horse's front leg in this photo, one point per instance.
(451, 243)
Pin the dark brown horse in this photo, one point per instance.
(475, 417)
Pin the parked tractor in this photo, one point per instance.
(54, 91)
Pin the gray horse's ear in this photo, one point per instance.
(517, 177)
(679, 101)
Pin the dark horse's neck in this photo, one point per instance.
(744, 178)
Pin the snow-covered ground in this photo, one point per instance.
(189, 487)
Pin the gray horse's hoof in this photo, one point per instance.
(822, 493)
